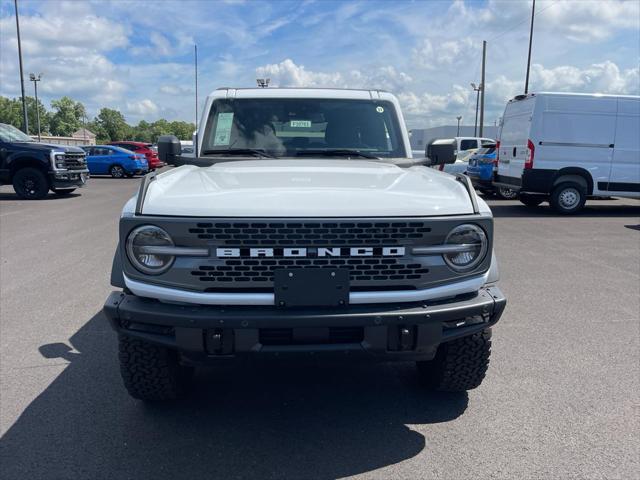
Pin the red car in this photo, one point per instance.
(143, 148)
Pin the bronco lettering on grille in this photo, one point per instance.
(311, 252)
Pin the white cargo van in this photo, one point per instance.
(565, 147)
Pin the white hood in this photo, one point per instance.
(305, 188)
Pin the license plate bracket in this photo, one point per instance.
(311, 287)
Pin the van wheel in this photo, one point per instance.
(116, 171)
(568, 198)
(507, 193)
(30, 184)
(530, 200)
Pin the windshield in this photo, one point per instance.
(9, 133)
(303, 126)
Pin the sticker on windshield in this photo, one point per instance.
(300, 124)
(379, 109)
(223, 129)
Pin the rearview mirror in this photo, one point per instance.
(169, 149)
(441, 152)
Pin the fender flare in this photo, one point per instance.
(117, 277)
(574, 174)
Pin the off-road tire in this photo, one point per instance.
(151, 372)
(30, 184)
(459, 365)
(116, 171)
(63, 191)
(530, 201)
(568, 198)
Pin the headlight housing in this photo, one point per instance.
(473, 245)
(59, 160)
(140, 243)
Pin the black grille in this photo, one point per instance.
(75, 161)
(304, 234)
(361, 269)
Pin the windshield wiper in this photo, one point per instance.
(337, 152)
(257, 152)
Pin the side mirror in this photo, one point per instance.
(441, 152)
(169, 149)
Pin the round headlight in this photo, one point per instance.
(143, 251)
(472, 243)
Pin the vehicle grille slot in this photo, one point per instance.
(302, 234)
(370, 269)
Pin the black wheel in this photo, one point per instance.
(151, 372)
(507, 193)
(30, 184)
(530, 200)
(63, 191)
(459, 365)
(568, 198)
(116, 171)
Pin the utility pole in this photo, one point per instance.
(25, 120)
(482, 87)
(477, 90)
(526, 82)
(35, 80)
(459, 117)
(195, 73)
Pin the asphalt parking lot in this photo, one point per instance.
(560, 400)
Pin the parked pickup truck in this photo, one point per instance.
(301, 225)
(35, 168)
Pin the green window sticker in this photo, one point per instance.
(300, 124)
(223, 129)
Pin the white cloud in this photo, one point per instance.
(144, 107)
(603, 77)
(176, 90)
(54, 34)
(288, 74)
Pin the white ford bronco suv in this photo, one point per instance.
(301, 225)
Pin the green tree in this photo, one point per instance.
(67, 117)
(182, 130)
(11, 111)
(113, 124)
(45, 117)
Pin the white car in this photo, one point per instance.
(566, 147)
(302, 226)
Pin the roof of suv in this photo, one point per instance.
(297, 92)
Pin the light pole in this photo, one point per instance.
(476, 88)
(459, 117)
(526, 82)
(25, 120)
(35, 80)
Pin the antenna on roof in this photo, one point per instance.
(263, 82)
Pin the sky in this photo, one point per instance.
(137, 56)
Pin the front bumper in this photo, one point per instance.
(69, 178)
(207, 333)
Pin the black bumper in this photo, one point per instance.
(69, 179)
(392, 331)
(535, 180)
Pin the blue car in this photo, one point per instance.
(481, 169)
(115, 161)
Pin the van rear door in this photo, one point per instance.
(625, 165)
(515, 134)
